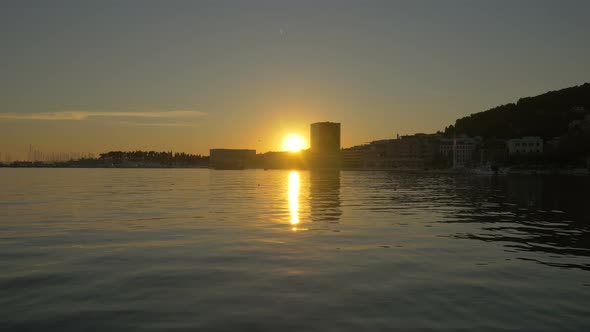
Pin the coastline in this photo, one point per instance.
(465, 171)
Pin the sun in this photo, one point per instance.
(293, 143)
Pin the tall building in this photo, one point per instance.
(325, 145)
(325, 138)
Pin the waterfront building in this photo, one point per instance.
(325, 145)
(231, 158)
(417, 151)
(525, 145)
(461, 150)
(325, 138)
(354, 157)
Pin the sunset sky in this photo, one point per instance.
(194, 75)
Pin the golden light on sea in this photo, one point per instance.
(294, 198)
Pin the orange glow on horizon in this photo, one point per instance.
(293, 143)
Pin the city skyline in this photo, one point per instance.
(148, 76)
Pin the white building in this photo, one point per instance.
(525, 145)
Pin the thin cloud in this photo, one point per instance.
(85, 115)
(153, 124)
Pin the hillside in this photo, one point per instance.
(548, 115)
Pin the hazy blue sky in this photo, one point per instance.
(193, 75)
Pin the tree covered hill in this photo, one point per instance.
(548, 115)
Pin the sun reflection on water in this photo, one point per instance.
(294, 198)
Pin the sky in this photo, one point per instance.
(81, 76)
